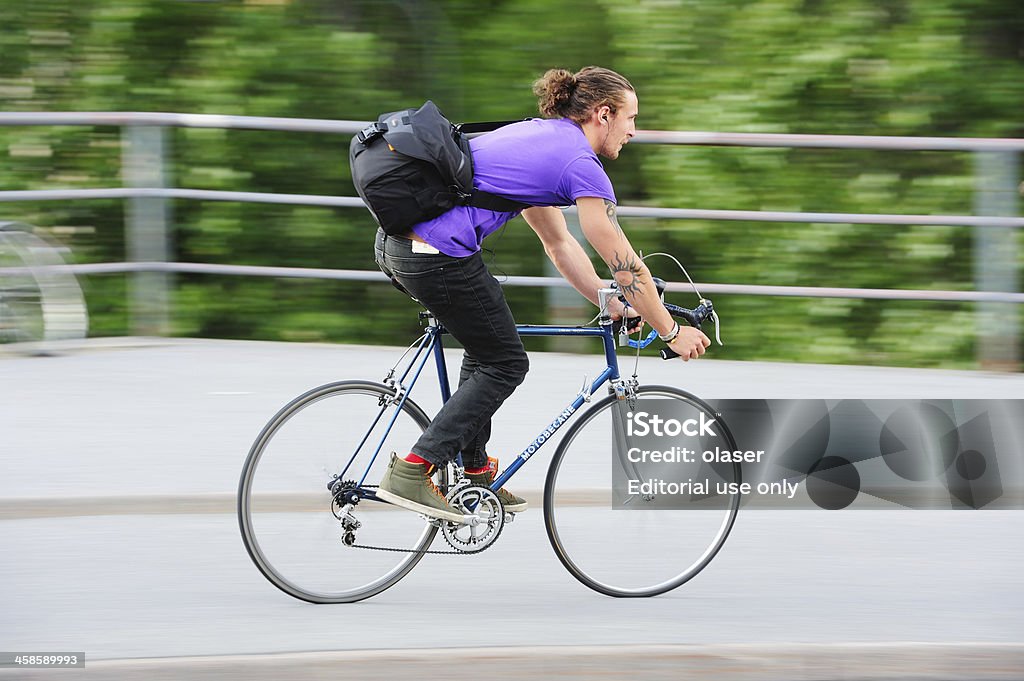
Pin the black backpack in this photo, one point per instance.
(413, 165)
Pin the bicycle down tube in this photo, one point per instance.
(610, 373)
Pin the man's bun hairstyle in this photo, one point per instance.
(562, 94)
(554, 90)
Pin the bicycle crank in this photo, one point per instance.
(487, 518)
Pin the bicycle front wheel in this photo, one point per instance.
(631, 516)
(286, 513)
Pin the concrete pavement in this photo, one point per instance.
(120, 462)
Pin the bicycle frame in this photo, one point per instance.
(431, 345)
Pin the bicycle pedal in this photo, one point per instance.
(509, 517)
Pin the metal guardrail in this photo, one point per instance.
(539, 282)
(736, 139)
(997, 163)
(622, 211)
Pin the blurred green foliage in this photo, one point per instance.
(878, 67)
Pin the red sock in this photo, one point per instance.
(412, 458)
(477, 471)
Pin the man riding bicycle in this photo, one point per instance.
(543, 163)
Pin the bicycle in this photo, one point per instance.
(40, 301)
(311, 522)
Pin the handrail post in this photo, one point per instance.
(147, 235)
(997, 174)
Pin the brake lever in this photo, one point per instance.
(718, 328)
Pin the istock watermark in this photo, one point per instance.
(819, 454)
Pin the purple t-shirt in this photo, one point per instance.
(540, 162)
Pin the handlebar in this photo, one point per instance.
(694, 317)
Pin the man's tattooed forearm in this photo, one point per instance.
(609, 208)
(626, 273)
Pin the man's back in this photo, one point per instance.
(541, 162)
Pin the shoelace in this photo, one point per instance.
(433, 487)
(435, 490)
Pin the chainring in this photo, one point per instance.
(481, 502)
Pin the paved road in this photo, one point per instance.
(128, 429)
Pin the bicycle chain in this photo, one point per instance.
(423, 551)
(456, 552)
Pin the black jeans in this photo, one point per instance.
(469, 302)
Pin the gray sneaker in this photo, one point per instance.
(409, 485)
(510, 502)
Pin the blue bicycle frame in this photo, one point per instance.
(430, 344)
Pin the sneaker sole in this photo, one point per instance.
(402, 502)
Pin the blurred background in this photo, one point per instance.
(936, 68)
(119, 469)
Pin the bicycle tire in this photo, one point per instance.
(284, 504)
(575, 513)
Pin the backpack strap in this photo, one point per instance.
(479, 198)
(473, 128)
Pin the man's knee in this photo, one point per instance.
(517, 368)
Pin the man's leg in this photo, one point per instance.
(480, 468)
(469, 302)
(405, 483)
(474, 311)
(474, 454)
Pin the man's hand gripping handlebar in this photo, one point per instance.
(695, 317)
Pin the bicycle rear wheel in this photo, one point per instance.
(617, 536)
(285, 509)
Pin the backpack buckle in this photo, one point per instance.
(371, 132)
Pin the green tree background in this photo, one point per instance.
(880, 67)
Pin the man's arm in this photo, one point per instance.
(564, 250)
(601, 227)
